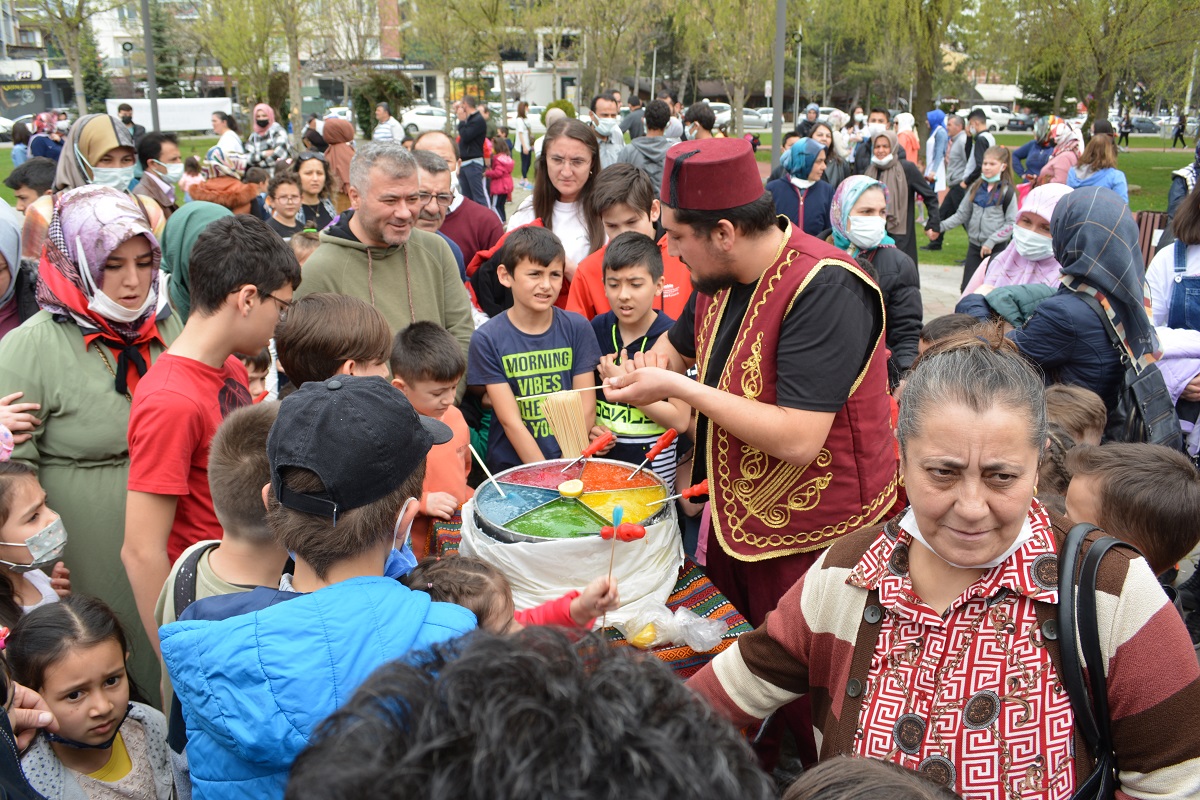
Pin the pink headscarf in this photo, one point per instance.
(270, 113)
(1010, 268)
(1066, 137)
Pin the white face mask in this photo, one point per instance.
(866, 233)
(908, 524)
(874, 129)
(882, 162)
(174, 171)
(859, 117)
(101, 303)
(801, 183)
(607, 127)
(117, 178)
(1031, 245)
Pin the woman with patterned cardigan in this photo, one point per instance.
(932, 642)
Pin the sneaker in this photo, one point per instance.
(931, 246)
(1189, 592)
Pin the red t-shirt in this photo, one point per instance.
(587, 290)
(177, 407)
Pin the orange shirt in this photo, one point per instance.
(587, 290)
(446, 470)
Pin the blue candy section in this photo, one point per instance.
(520, 499)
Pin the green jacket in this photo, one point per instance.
(1017, 303)
(341, 265)
(81, 452)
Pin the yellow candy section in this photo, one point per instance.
(636, 502)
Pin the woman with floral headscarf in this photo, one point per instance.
(223, 172)
(104, 320)
(1095, 242)
(46, 141)
(268, 143)
(800, 194)
(98, 150)
(859, 216)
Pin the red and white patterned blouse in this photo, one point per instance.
(969, 698)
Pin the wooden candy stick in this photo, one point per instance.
(487, 471)
(565, 391)
(618, 515)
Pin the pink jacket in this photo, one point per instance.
(501, 175)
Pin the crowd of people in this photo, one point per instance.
(239, 399)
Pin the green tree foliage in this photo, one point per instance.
(375, 87)
(96, 86)
(239, 35)
(167, 55)
(566, 105)
(66, 21)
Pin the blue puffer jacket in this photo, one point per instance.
(1068, 341)
(253, 687)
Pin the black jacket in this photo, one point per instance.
(471, 133)
(24, 296)
(1069, 343)
(900, 284)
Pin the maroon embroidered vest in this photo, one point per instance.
(763, 507)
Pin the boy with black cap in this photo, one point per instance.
(347, 459)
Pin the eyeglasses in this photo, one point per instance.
(576, 163)
(444, 199)
(284, 306)
(287, 198)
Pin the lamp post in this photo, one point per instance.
(797, 39)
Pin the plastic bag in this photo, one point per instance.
(656, 627)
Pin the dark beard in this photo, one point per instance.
(711, 286)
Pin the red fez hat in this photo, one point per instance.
(710, 175)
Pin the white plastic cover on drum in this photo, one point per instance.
(646, 570)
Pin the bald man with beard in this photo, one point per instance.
(473, 227)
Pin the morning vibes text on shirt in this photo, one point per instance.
(534, 373)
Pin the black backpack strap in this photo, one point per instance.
(1007, 201)
(1072, 667)
(1077, 622)
(185, 578)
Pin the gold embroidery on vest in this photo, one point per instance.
(752, 380)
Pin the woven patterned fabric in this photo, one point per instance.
(692, 591)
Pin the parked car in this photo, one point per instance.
(718, 108)
(750, 119)
(767, 114)
(1020, 122)
(824, 112)
(420, 119)
(1144, 125)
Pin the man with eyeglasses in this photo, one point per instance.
(435, 199)
(376, 251)
(472, 227)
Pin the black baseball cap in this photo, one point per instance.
(360, 436)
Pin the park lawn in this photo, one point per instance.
(188, 146)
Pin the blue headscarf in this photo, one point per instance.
(936, 119)
(1096, 243)
(798, 160)
(845, 197)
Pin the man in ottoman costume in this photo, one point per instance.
(793, 424)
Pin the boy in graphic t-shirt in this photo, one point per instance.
(633, 279)
(529, 349)
(180, 401)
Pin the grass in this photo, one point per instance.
(188, 146)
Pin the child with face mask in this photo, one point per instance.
(32, 538)
(988, 211)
